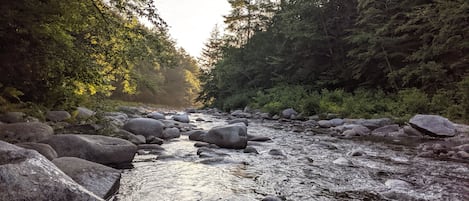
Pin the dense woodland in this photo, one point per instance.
(356, 58)
(58, 54)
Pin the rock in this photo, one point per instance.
(190, 110)
(272, 198)
(170, 133)
(324, 124)
(57, 115)
(156, 115)
(165, 156)
(433, 125)
(250, 149)
(265, 115)
(464, 147)
(385, 130)
(276, 152)
(149, 147)
(197, 135)
(199, 119)
(103, 181)
(27, 175)
(100, 149)
(426, 154)
(342, 161)
(154, 140)
(233, 136)
(356, 153)
(211, 160)
(288, 113)
(25, 132)
(117, 119)
(311, 123)
(206, 152)
(201, 144)
(357, 130)
(132, 110)
(371, 123)
(126, 135)
(275, 117)
(463, 154)
(411, 131)
(44, 149)
(239, 120)
(241, 114)
(145, 126)
(397, 184)
(258, 138)
(12, 117)
(84, 113)
(336, 122)
(184, 118)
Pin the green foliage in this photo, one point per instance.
(412, 101)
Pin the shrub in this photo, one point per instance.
(411, 101)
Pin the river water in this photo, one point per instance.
(307, 171)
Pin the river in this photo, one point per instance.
(307, 170)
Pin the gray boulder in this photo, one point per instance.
(239, 120)
(27, 175)
(386, 130)
(371, 123)
(233, 136)
(126, 135)
(100, 149)
(103, 181)
(145, 126)
(25, 132)
(289, 113)
(433, 125)
(156, 115)
(84, 113)
(241, 114)
(197, 135)
(12, 117)
(324, 124)
(357, 130)
(336, 122)
(170, 133)
(57, 115)
(184, 118)
(44, 149)
(154, 140)
(116, 118)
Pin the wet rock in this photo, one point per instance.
(149, 147)
(156, 115)
(199, 119)
(126, 135)
(100, 149)
(397, 184)
(342, 161)
(385, 130)
(84, 113)
(165, 157)
(371, 123)
(275, 117)
(145, 126)
(288, 113)
(241, 114)
(211, 160)
(103, 181)
(170, 133)
(201, 144)
(464, 147)
(265, 115)
(12, 117)
(463, 154)
(239, 120)
(433, 125)
(116, 118)
(25, 132)
(154, 140)
(411, 131)
(276, 152)
(324, 124)
(356, 153)
(426, 154)
(272, 198)
(197, 135)
(311, 123)
(142, 152)
(250, 149)
(233, 136)
(44, 149)
(184, 118)
(27, 175)
(258, 138)
(357, 130)
(58, 116)
(190, 110)
(336, 122)
(205, 152)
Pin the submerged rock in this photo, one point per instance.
(433, 125)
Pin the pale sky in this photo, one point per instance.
(191, 21)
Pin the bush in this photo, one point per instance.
(410, 102)
(311, 104)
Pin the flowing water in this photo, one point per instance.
(306, 171)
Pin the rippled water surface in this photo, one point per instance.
(306, 172)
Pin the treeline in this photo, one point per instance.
(353, 57)
(61, 53)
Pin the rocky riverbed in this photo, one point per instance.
(210, 155)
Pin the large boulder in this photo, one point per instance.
(84, 113)
(289, 113)
(25, 132)
(184, 118)
(12, 117)
(103, 181)
(197, 135)
(233, 136)
(27, 175)
(96, 148)
(433, 125)
(145, 126)
(44, 149)
(170, 133)
(57, 115)
(116, 118)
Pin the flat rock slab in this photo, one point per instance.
(27, 175)
(100, 149)
(103, 181)
(25, 132)
(433, 125)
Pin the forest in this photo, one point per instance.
(355, 58)
(60, 54)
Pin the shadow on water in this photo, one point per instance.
(307, 171)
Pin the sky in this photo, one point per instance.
(191, 21)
